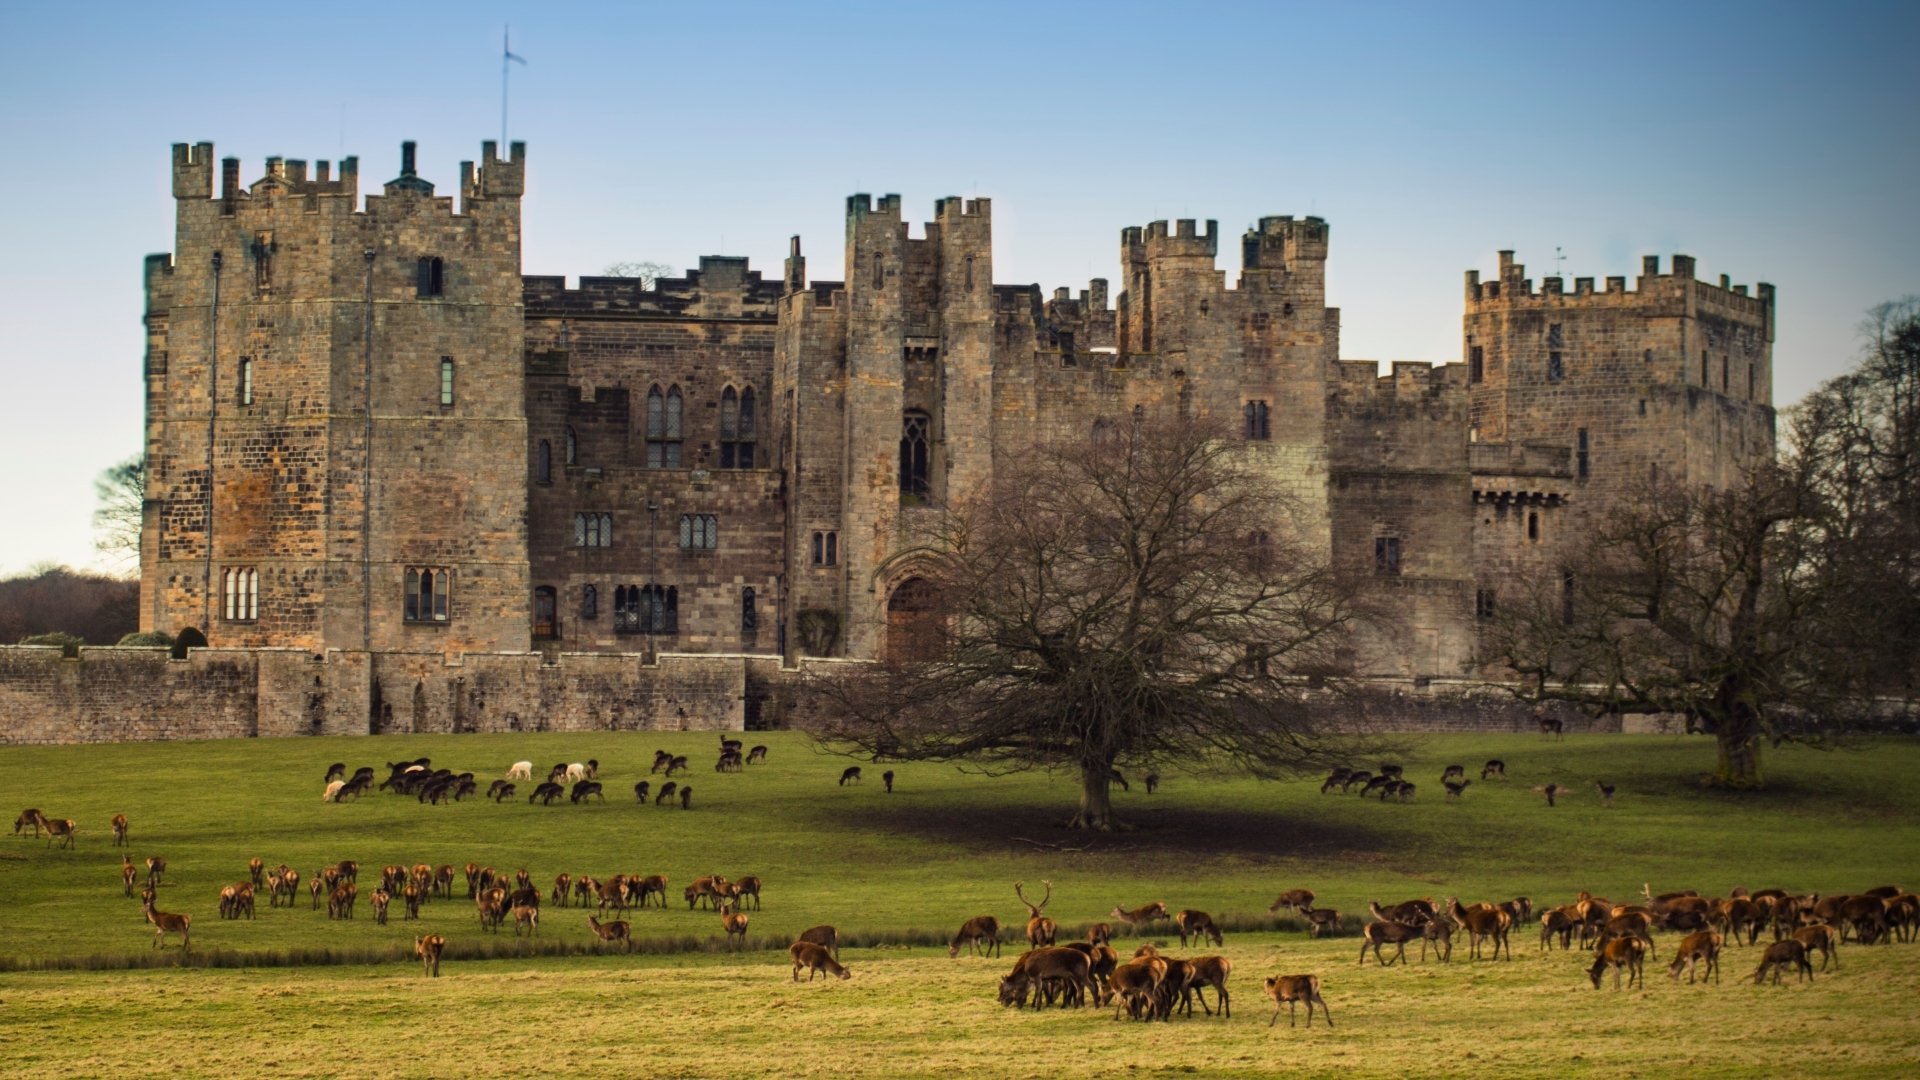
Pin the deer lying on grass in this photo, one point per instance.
(164, 923)
(1288, 990)
(1822, 937)
(610, 932)
(735, 924)
(1619, 953)
(1040, 929)
(816, 959)
(1779, 955)
(1701, 945)
(1297, 899)
(119, 830)
(824, 936)
(980, 928)
(428, 949)
(1141, 916)
(1198, 925)
(1376, 934)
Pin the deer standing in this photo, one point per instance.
(735, 924)
(610, 932)
(1606, 793)
(816, 959)
(428, 949)
(1781, 954)
(1701, 945)
(1288, 990)
(1197, 924)
(980, 928)
(1040, 929)
(119, 830)
(164, 923)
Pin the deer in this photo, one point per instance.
(156, 869)
(380, 898)
(164, 923)
(1046, 970)
(1373, 784)
(1376, 934)
(1100, 934)
(520, 770)
(1562, 921)
(288, 889)
(443, 880)
(1621, 953)
(410, 900)
(1357, 776)
(562, 888)
(1116, 777)
(667, 791)
(747, 885)
(1197, 924)
(1453, 772)
(255, 866)
(980, 928)
(119, 830)
(1551, 791)
(824, 936)
(1606, 793)
(428, 948)
(1779, 955)
(816, 959)
(756, 753)
(887, 779)
(677, 764)
(850, 775)
(1415, 913)
(128, 874)
(661, 759)
(586, 789)
(1135, 983)
(1321, 920)
(656, 885)
(1550, 726)
(1140, 916)
(686, 797)
(546, 793)
(641, 791)
(1822, 937)
(610, 932)
(1493, 769)
(1153, 782)
(527, 915)
(1288, 990)
(1438, 933)
(1212, 971)
(61, 829)
(1297, 899)
(1456, 788)
(1040, 929)
(1392, 771)
(1336, 777)
(735, 924)
(28, 817)
(1701, 945)
(340, 902)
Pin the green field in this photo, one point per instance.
(898, 873)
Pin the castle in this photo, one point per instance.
(369, 433)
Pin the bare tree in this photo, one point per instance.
(647, 272)
(1138, 599)
(121, 493)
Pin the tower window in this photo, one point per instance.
(749, 617)
(589, 602)
(699, 532)
(246, 381)
(240, 587)
(1533, 524)
(736, 428)
(826, 548)
(572, 448)
(879, 271)
(914, 456)
(428, 592)
(1556, 368)
(663, 428)
(429, 276)
(1483, 604)
(446, 381)
(1476, 363)
(1750, 381)
(1257, 420)
(1386, 555)
(543, 462)
(1703, 367)
(969, 281)
(1724, 382)
(593, 530)
(1580, 455)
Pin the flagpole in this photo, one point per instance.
(506, 50)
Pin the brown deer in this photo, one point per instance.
(1376, 934)
(1563, 921)
(61, 829)
(443, 880)
(1197, 924)
(340, 902)
(610, 932)
(119, 830)
(1297, 899)
(1438, 933)
(428, 949)
(410, 900)
(1415, 913)
(256, 867)
(527, 915)
(824, 936)
(850, 775)
(816, 959)
(1822, 937)
(1100, 934)
(980, 928)
(29, 816)
(1701, 945)
(747, 885)
(1779, 955)
(1040, 929)
(1321, 920)
(156, 869)
(1046, 971)
(735, 924)
(1141, 916)
(288, 890)
(1212, 971)
(1628, 953)
(1493, 769)
(656, 885)
(756, 753)
(128, 874)
(1288, 990)
(1336, 777)
(562, 888)
(686, 797)
(1136, 983)
(381, 898)
(164, 923)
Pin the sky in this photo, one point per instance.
(1763, 139)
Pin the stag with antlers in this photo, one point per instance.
(1040, 929)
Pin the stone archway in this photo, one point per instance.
(913, 622)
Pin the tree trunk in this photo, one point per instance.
(1096, 800)
(1738, 736)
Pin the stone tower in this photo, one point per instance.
(336, 434)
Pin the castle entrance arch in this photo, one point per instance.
(913, 622)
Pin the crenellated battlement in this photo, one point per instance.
(1359, 379)
(953, 206)
(862, 205)
(1184, 241)
(1511, 287)
(289, 177)
(717, 275)
(1282, 243)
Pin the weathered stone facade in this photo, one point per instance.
(343, 398)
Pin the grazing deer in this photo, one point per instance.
(747, 885)
(164, 923)
(1392, 771)
(1114, 776)
(428, 949)
(1494, 768)
(887, 779)
(1289, 989)
(824, 936)
(1822, 937)
(1046, 971)
(562, 888)
(661, 759)
(686, 797)
(1040, 929)
(641, 790)
(1438, 933)
(1321, 920)
(520, 770)
(1197, 924)
(1701, 945)
(975, 931)
(1406, 791)
(1606, 793)
(507, 791)
(850, 775)
(546, 793)
(1454, 772)
(1456, 788)
(758, 753)
(1142, 915)
(1357, 776)
(336, 771)
(61, 829)
(1136, 984)
(816, 959)
(1297, 899)
(29, 816)
(730, 761)
(1779, 955)
(1623, 953)
(1551, 791)
(1373, 784)
(678, 764)
(128, 874)
(1336, 777)
(735, 924)
(1376, 934)
(667, 791)
(610, 932)
(1415, 913)
(527, 915)
(587, 789)
(381, 898)
(119, 830)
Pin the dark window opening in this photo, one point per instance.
(736, 428)
(1483, 604)
(572, 448)
(543, 462)
(593, 530)
(1476, 363)
(914, 455)
(1533, 525)
(969, 282)
(546, 618)
(1703, 368)
(429, 276)
(262, 251)
(749, 616)
(1724, 383)
(826, 548)
(1580, 456)
(1556, 370)
(1555, 339)
(590, 602)
(1257, 424)
(879, 271)
(427, 593)
(1750, 382)
(1643, 406)
(1386, 555)
(663, 428)
(699, 532)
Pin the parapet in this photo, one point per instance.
(1513, 287)
(953, 206)
(1184, 242)
(862, 205)
(1405, 378)
(193, 176)
(1279, 243)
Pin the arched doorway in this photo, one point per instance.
(913, 622)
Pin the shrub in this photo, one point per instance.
(68, 643)
(148, 639)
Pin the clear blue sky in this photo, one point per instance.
(1774, 142)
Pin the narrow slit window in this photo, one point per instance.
(446, 381)
(246, 381)
(543, 462)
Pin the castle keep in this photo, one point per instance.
(369, 434)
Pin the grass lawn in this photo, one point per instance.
(900, 872)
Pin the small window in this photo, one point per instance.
(1476, 363)
(664, 413)
(1556, 368)
(1580, 455)
(914, 455)
(879, 271)
(1643, 406)
(546, 616)
(969, 282)
(589, 602)
(429, 276)
(446, 381)
(1483, 604)
(826, 549)
(1555, 339)
(626, 609)
(428, 594)
(736, 428)
(658, 609)
(246, 381)
(593, 530)
(1750, 384)
(240, 586)
(572, 448)
(1386, 555)
(1533, 524)
(1703, 367)
(1725, 384)
(1257, 420)
(749, 617)
(543, 462)
(1648, 356)
(699, 532)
